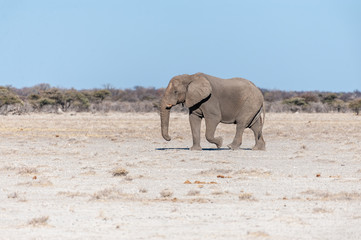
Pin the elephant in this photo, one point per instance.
(230, 101)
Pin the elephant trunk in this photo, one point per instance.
(164, 120)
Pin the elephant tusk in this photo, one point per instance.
(169, 105)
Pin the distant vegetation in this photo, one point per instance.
(315, 101)
(44, 98)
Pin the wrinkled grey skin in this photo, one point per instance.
(236, 100)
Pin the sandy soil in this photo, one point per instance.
(112, 176)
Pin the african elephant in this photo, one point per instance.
(217, 100)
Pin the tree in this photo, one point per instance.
(338, 104)
(78, 100)
(100, 95)
(355, 106)
(329, 98)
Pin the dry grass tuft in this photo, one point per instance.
(8, 168)
(253, 172)
(326, 196)
(321, 210)
(166, 193)
(120, 172)
(217, 192)
(215, 171)
(143, 190)
(193, 193)
(37, 183)
(246, 197)
(72, 194)
(17, 196)
(89, 173)
(41, 221)
(107, 194)
(27, 170)
(200, 200)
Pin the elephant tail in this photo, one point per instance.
(264, 115)
(260, 112)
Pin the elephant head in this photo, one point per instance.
(188, 89)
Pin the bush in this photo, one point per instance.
(297, 101)
(75, 100)
(329, 98)
(7, 97)
(34, 97)
(100, 95)
(355, 106)
(48, 97)
(310, 97)
(339, 105)
(45, 101)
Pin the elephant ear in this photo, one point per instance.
(198, 89)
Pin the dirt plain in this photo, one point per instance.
(112, 176)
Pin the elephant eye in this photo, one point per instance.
(175, 91)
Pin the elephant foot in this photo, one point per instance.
(233, 146)
(196, 148)
(219, 142)
(259, 147)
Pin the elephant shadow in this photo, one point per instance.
(203, 149)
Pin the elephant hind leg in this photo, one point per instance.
(257, 130)
(237, 141)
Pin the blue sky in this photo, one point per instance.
(277, 44)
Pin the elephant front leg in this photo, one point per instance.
(211, 126)
(195, 122)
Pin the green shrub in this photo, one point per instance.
(7, 97)
(100, 95)
(52, 96)
(55, 95)
(81, 101)
(297, 101)
(329, 98)
(45, 101)
(34, 97)
(75, 99)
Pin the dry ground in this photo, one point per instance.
(112, 176)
